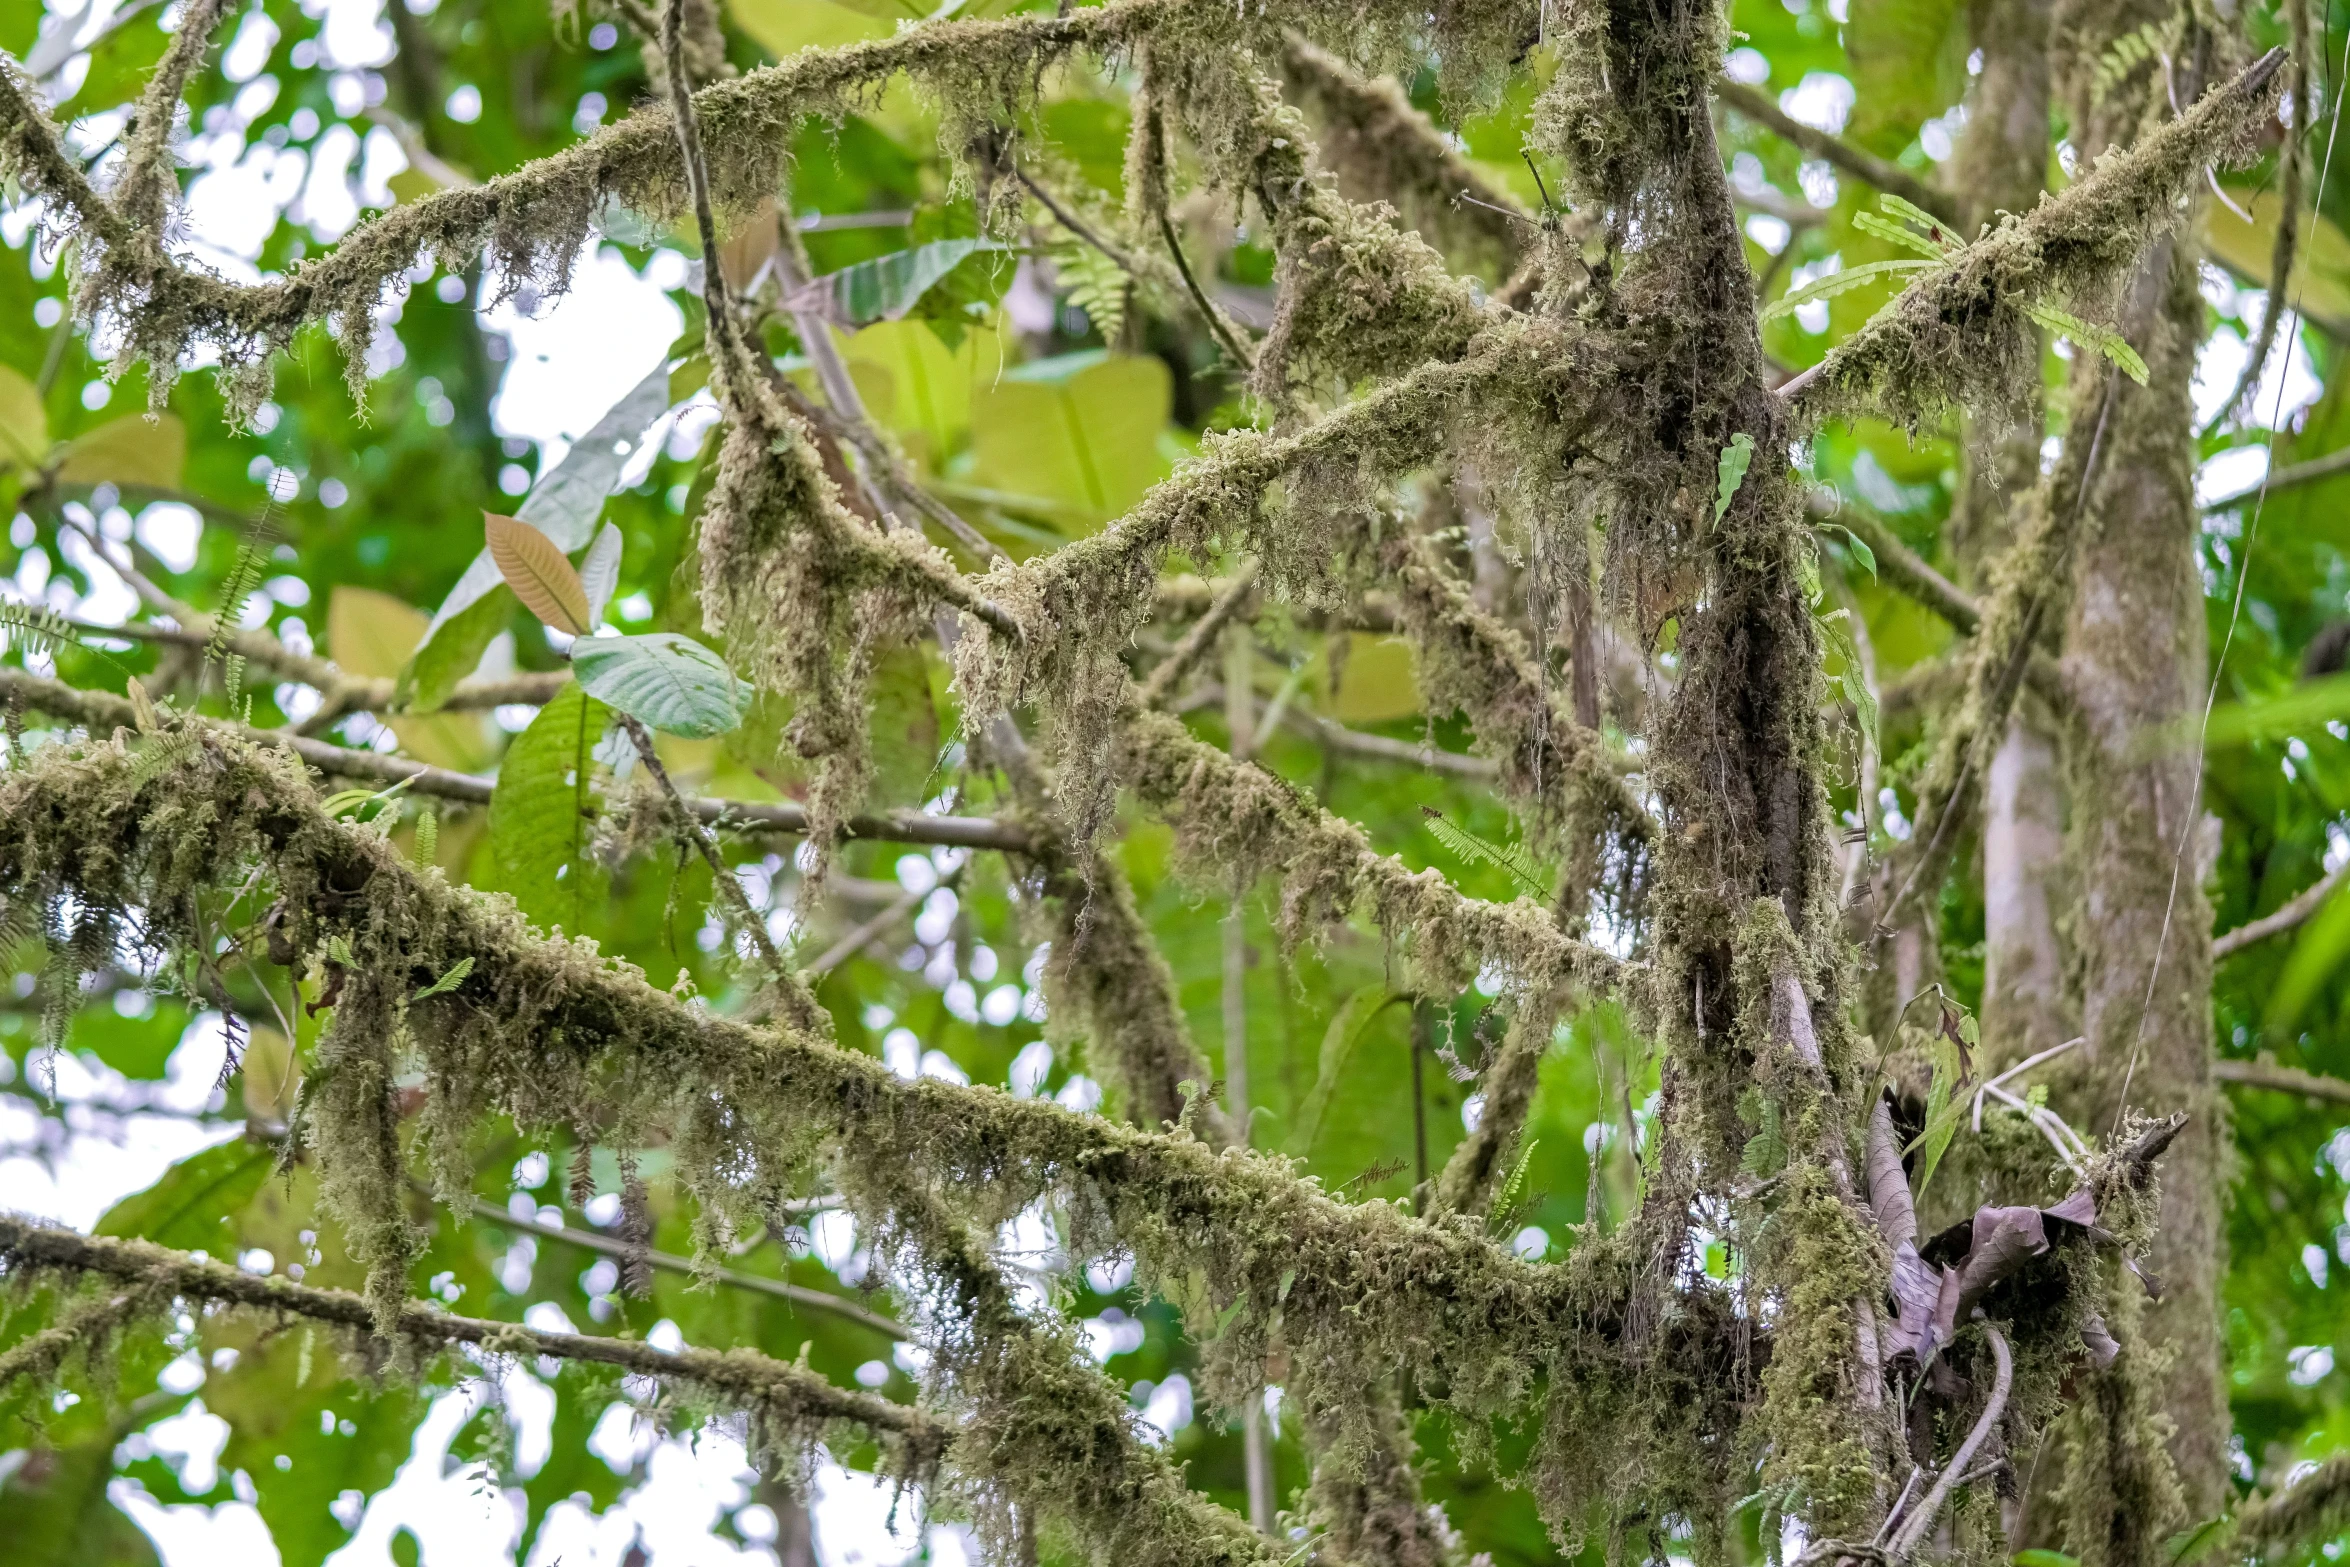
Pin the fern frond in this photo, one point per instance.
(2103, 340)
(1095, 284)
(1841, 282)
(35, 628)
(1906, 238)
(1515, 1186)
(243, 577)
(1468, 846)
(1910, 212)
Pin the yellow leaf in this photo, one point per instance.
(2321, 269)
(785, 27)
(371, 634)
(537, 572)
(24, 424)
(132, 450)
(1379, 681)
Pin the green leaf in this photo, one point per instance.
(131, 450)
(663, 679)
(1079, 429)
(447, 982)
(24, 423)
(2103, 340)
(191, 1206)
(2037, 1557)
(2305, 707)
(886, 288)
(2316, 957)
(1894, 233)
(54, 1511)
(1947, 243)
(1348, 1025)
(540, 811)
(1730, 471)
(1841, 282)
(1861, 552)
(1836, 630)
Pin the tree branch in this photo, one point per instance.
(2295, 911)
(668, 1262)
(787, 1393)
(2282, 1079)
(101, 712)
(1866, 167)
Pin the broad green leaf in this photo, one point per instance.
(139, 1048)
(120, 64)
(2316, 957)
(54, 1510)
(1082, 430)
(903, 719)
(784, 27)
(668, 681)
(886, 288)
(132, 450)
(2304, 708)
(568, 497)
(2044, 1558)
(1378, 681)
(191, 1206)
(1909, 63)
(455, 639)
(541, 811)
(920, 389)
(371, 634)
(24, 423)
(1348, 1025)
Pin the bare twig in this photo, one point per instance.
(1913, 1532)
(1202, 636)
(1865, 166)
(612, 1246)
(2296, 911)
(2282, 1079)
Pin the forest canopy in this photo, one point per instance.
(1176, 784)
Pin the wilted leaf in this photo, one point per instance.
(537, 572)
(669, 681)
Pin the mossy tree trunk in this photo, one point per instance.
(2135, 660)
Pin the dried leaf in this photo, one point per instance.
(537, 572)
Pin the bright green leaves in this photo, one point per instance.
(1840, 282)
(888, 287)
(668, 681)
(24, 423)
(1951, 1048)
(1730, 471)
(190, 1208)
(1075, 437)
(1936, 249)
(1348, 1026)
(542, 809)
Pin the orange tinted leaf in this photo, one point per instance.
(537, 572)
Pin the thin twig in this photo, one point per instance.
(2282, 1079)
(2295, 912)
(1202, 636)
(1864, 166)
(1913, 1532)
(1216, 322)
(854, 942)
(611, 1246)
(2021, 1067)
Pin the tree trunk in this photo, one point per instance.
(2136, 661)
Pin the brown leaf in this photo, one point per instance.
(743, 254)
(2004, 1240)
(537, 572)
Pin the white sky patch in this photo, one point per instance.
(1823, 100)
(582, 352)
(2221, 362)
(2230, 472)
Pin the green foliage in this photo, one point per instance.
(542, 812)
(670, 682)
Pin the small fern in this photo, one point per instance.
(1095, 284)
(2124, 55)
(1468, 846)
(1730, 471)
(1515, 1187)
(35, 628)
(2103, 340)
(243, 577)
(428, 838)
